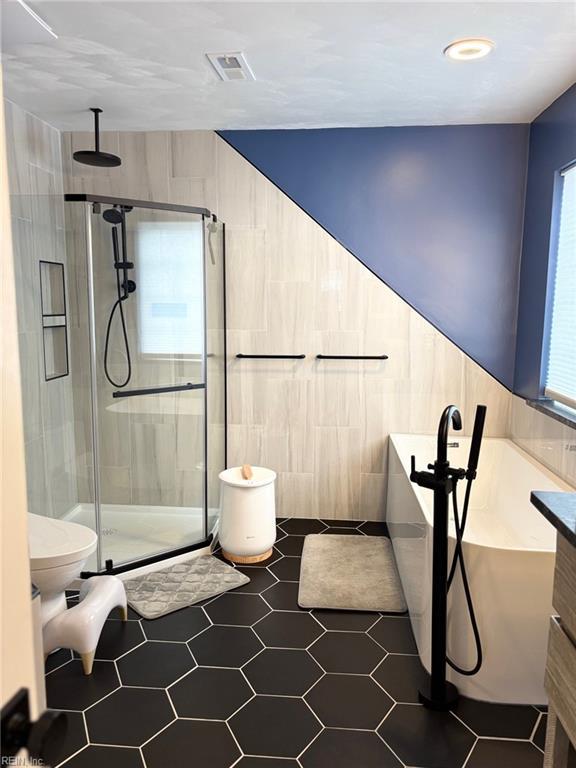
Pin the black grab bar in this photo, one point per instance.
(156, 390)
(351, 357)
(272, 357)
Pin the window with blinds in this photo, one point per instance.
(561, 368)
(169, 264)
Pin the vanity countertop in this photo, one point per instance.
(559, 509)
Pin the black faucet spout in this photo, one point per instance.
(451, 414)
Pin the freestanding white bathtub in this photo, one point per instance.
(509, 550)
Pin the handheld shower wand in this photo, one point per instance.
(117, 217)
(460, 527)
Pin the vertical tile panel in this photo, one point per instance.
(373, 496)
(337, 475)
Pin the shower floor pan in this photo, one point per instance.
(135, 531)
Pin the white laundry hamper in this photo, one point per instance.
(247, 529)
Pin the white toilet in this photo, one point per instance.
(58, 552)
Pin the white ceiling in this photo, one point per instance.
(316, 63)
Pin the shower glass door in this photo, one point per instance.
(155, 422)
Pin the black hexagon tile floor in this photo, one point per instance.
(260, 579)
(283, 596)
(111, 757)
(352, 652)
(288, 629)
(401, 676)
(210, 693)
(249, 680)
(129, 716)
(349, 701)
(225, 646)
(352, 621)
(179, 626)
(394, 634)
(348, 749)
(192, 742)
(279, 671)
(286, 569)
(68, 688)
(155, 664)
(275, 726)
(236, 610)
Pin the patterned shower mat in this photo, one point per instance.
(160, 592)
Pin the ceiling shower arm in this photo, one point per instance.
(96, 111)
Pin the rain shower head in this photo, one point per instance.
(95, 156)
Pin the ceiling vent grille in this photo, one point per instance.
(231, 66)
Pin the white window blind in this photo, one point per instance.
(170, 289)
(561, 371)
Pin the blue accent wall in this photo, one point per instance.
(436, 212)
(552, 146)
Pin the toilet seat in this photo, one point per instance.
(54, 543)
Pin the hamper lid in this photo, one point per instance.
(260, 476)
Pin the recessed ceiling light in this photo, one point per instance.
(468, 49)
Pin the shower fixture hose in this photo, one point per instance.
(458, 560)
(122, 293)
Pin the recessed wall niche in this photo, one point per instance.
(54, 319)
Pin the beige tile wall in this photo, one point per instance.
(37, 208)
(323, 425)
(549, 441)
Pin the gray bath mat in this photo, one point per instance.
(156, 594)
(351, 573)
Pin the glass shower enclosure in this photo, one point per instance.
(148, 362)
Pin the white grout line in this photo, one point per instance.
(97, 658)
(505, 738)
(396, 755)
(240, 708)
(171, 702)
(58, 765)
(314, 713)
(241, 667)
(87, 709)
(465, 763)
(46, 674)
(394, 703)
(536, 725)
(245, 676)
(235, 741)
(159, 732)
(468, 727)
(322, 729)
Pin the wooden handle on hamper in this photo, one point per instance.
(247, 473)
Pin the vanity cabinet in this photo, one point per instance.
(560, 678)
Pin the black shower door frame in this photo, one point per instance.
(93, 202)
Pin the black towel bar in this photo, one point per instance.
(273, 357)
(352, 357)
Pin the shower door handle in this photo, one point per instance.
(155, 390)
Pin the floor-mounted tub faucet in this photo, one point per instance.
(438, 692)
